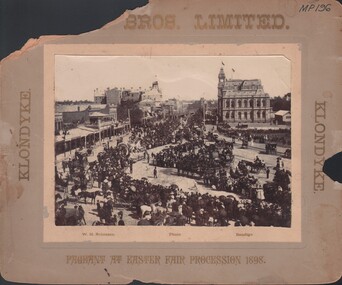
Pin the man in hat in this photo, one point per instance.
(121, 222)
(81, 214)
(155, 172)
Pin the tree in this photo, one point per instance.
(280, 103)
(137, 115)
(135, 112)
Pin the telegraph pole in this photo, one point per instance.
(129, 117)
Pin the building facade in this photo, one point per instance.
(242, 100)
(113, 96)
(153, 93)
(99, 98)
(173, 107)
(282, 117)
(58, 122)
(80, 114)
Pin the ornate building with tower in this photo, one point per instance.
(242, 101)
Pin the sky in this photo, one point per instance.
(181, 77)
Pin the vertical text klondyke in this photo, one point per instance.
(24, 135)
(319, 145)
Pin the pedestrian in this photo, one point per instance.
(131, 166)
(81, 214)
(115, 219)
(155, 172)
(98, 206)
(268, 172)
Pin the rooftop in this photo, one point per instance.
(61, 108)
(281, 112)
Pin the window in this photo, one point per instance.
(258, 115)
(263, 102)
(227, 104)
(239, 115)
(246, 115)
(239, 103)
(251, 103)
(264, 114)
(258, 103)
(245, 103)
(233, 104)
(227, 115)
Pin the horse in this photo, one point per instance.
(256, 166)
(91, 195)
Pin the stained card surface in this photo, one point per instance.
(181, 143)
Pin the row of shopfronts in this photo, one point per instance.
(83, 137)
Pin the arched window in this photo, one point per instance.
(233, 115)
(246, 115)
(263, 114)
(233, 104)
(245, 103)
(258, 115)
(251, 115)
(239, 103)
(251, 103)
(263, 102)
(239, 115)
(258, 103)
(227, 115)
(227, 104)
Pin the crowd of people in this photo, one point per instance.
(282, 137)
(155, 204)
(195, 157)
(152, 135)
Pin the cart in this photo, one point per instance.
(271, 148)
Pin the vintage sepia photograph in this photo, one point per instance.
(176, 144)
(196, 141)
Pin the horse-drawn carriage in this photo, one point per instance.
(213, 137)
(88, 193)
(271, 148)
(124, 149)
(255, 166)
